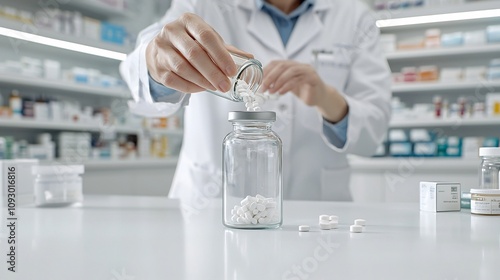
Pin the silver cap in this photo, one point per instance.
(249, 116)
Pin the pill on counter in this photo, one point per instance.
(324, 218)
(356, 228)
(304, 228)
(333, 224)
(334, 218)
(360, 222)
(325, 225)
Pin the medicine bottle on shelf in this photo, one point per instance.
(250, 71)
(252, 172)
(490, 168)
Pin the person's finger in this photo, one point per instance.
(176, 63)
(200, 60)
(174, 81)
(211, 42)
(237, 51)
(286, 76)
(290, 85)
(271, 74)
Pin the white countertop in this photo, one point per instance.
(146, 238)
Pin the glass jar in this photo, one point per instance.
(250, 71)
(490, 168)
(252, 172)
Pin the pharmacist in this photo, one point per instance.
(341, 106)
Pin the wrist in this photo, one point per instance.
(333, 106)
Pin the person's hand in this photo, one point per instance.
(282, 76)
(189, 56)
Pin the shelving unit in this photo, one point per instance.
(99, 8)
(423, 163)
(124, 163)
(31, 29)
(423, 123)
(443, 52)
(62, 86)
(433, 87)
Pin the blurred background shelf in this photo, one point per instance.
(395, 123)
(423, 163)
(443, 86)
(443, 52)
(69, 87)
(100, 8)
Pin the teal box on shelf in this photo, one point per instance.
(425, 149)
(401, 149)
(490, 142)
(113, 33)
(493, 33)
(449, 146)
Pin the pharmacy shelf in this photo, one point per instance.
(421, 163)
(19, 26)
(127, 163)
(443, 52)
(442, 86)
(98, 7)
(444, 9)
(62, 86)
(456, 123)
(67, 126)
(164, 131)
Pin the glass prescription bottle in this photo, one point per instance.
(252, 172)
(490, 168)
(58, 185)
(485, 202)
(250, 71)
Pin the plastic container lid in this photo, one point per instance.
(489, 152)
(58, 170)
(485, 191)
(251, 116)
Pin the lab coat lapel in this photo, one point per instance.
(263, 29)
(306, 29)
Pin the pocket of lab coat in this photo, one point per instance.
(333, 69)
(335, 184)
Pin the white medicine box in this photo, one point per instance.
(439, 196)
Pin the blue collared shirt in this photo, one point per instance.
(335, 133)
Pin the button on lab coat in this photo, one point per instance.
(349, 59)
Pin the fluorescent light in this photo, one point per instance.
(61, 44)
(438, 18)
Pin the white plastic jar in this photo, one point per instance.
(58, 185)
(485, 202)
(490, 168)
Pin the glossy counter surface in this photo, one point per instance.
(146, 238)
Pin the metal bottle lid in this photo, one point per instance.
(252, 116)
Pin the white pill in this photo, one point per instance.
(252, 206)
(334, 218)
(263, 221)
(356, 228)
(333, 224)
(270, 212)
(244, 208)
(259, 99)
(234, 218)
(244, 201)
(263, 213)
(304, 228)
(325, 225)
(248, 215)
(261, 207)
(240, 212)
(252, 199)
(240, 220)
(360, 222)
(233, 212)
(256, 108)
(260, 197)
(255, 211)
(324, 218)
(253, 221)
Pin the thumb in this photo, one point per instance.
(237, 51)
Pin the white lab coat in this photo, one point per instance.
(313, 169)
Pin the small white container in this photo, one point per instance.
(485, 202)
(58, 185)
